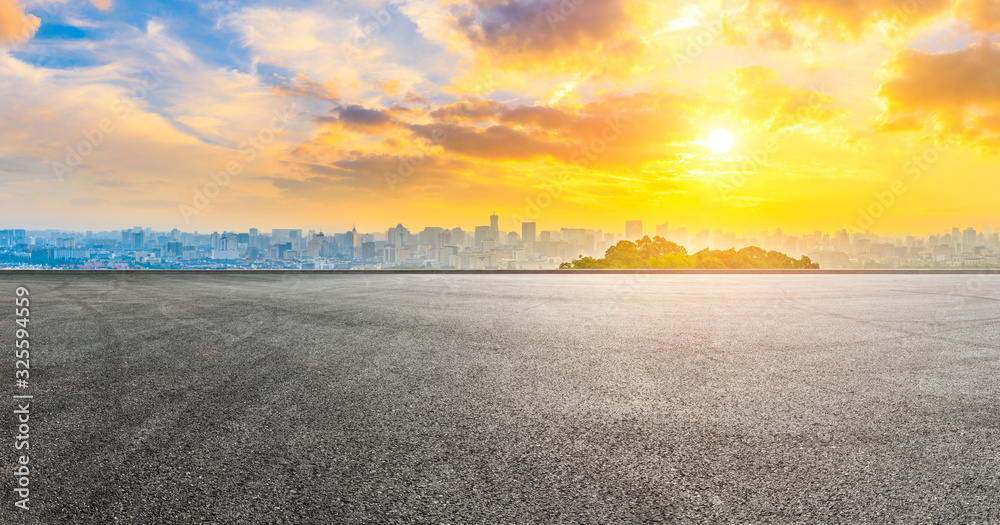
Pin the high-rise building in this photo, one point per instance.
(316, 245)
(432, 236)
(351, 243)
(843, 241)
(397, 236)
(483, 234)
(495, 227)
(968, 239)
(662, 230)
(367, 250)
(528, 233)
(134, 238)
(633, 230)
(175, 248)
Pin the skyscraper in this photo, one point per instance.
(495, 227)
(528, 233)
(662, 230)
(397, 236)
(483, 234)
(968, 239)
(633, 230)
(351, 243)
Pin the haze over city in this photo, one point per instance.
(486, 246)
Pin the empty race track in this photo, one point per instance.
(387, 398)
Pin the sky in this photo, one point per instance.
(866, 115)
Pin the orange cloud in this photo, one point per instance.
(982, 15)
(495, 142)
(613, 132)
(15, 25)
(959, 90)
(390, 88)
(469, 111)
(791, 23)
(762, 99)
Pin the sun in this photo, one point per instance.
(720, 141)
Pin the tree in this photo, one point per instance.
(660, 253)
(710, 262)
(585, 263)
(753, 253)
(657, 247)
(625, 254)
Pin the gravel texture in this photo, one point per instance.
(243, 398)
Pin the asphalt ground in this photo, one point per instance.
(310, 398)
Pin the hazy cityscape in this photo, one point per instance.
(482, 247)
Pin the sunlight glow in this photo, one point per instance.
(720, 141)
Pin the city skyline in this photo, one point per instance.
(485, 246)
(641, 228)
(747, 116)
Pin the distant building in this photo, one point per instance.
(397, 236)
(528, 234)
(483, 234)
(968, 239)
(175, 248)
(662, 230)
(367, 250)
(12, 237)
(351, 243)
(71, 253)
(633, 230)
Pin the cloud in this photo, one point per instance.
(982, 15)
(469, 111)
(494, 142)
(303, 86)
(784, 24)
(390, 88)
(762, 99)
(375, 165)
(555, 35)
(15, 25)
(325, 45)
(958, 90)
(413, 98)
(538, 117)
(359, 118)
(613, 131)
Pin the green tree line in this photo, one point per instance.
(657, 253)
